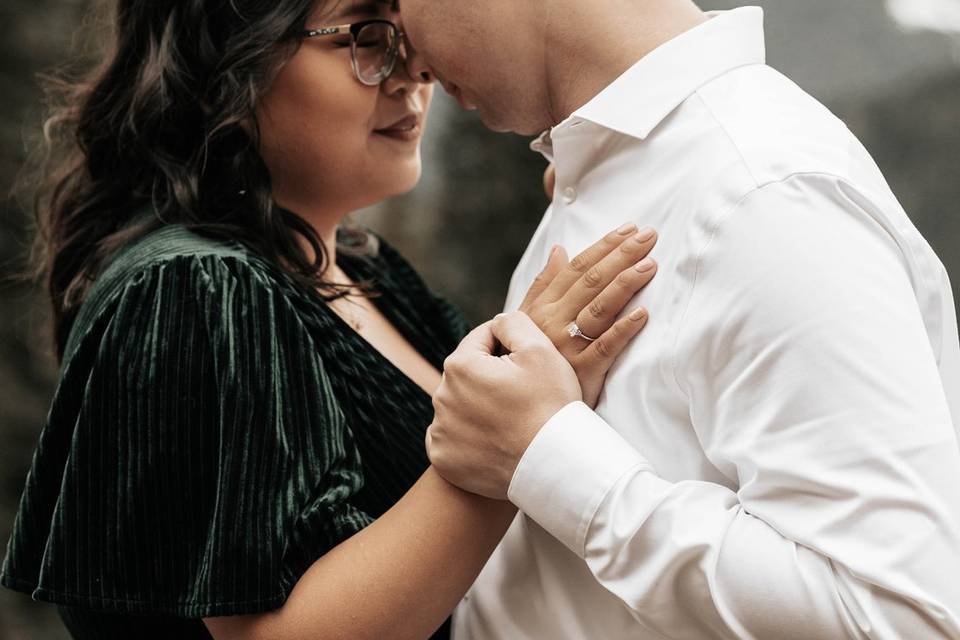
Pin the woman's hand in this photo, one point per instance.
(591, 290)
(510, 375)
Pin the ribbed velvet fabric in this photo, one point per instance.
(215, 429)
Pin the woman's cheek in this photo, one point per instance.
(423, 100)
(426, 94)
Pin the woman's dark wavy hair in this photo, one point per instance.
(159, 122)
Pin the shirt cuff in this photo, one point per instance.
(569, 467)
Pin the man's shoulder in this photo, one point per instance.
(777, 130)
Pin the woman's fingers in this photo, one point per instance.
(605, 349)
(555, 264)
(595, 361)
(595, 279)
(585, 262)
(602, 312)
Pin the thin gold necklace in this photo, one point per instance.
(350, 315)
(347, 309)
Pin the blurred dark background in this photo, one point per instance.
(891, 70)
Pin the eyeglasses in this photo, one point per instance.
(374, 47)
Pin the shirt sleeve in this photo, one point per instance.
(209, 464)
(814, 386)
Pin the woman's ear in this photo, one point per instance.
(549, 180)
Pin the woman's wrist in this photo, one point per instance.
(497, 510)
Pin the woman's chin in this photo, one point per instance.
(401, 183)
(406, 178)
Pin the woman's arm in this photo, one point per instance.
(402, 576)
(398, 578)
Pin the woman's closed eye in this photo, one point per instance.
(366, 43)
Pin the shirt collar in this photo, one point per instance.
(640, 99)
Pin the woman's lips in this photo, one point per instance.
(407, 129)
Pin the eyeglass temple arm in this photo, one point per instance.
(327, 31)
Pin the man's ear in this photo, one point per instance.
(549, 180)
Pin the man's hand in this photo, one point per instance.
(489, 408)
(549, 180)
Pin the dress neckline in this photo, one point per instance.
(397, 308)
(390, 305)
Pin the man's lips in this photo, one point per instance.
(455, 91)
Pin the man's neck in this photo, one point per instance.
(589, 44)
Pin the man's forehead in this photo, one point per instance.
(339, 8)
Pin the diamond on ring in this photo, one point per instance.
(575, 332)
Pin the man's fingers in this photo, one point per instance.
(480, 340)
(550, 180)
(585, 261)
(555, 264)
(517, 332)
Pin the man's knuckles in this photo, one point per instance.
(455, 364)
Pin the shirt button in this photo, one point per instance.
(569, 195)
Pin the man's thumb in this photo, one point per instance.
(517, 332)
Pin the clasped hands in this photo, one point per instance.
(489, 407)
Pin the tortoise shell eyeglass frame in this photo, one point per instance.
(391, 49)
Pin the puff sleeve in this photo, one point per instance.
(195, 461)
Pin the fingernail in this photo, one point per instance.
(553, 252)
(638, 314)
(644, 235)
(627, 229)
(644, 265)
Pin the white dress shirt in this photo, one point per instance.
(776, 455)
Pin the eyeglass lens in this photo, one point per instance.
(375, 52)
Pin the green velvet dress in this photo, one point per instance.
(215, 429)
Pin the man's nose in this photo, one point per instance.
(417, 67)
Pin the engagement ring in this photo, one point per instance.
(575, 332)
